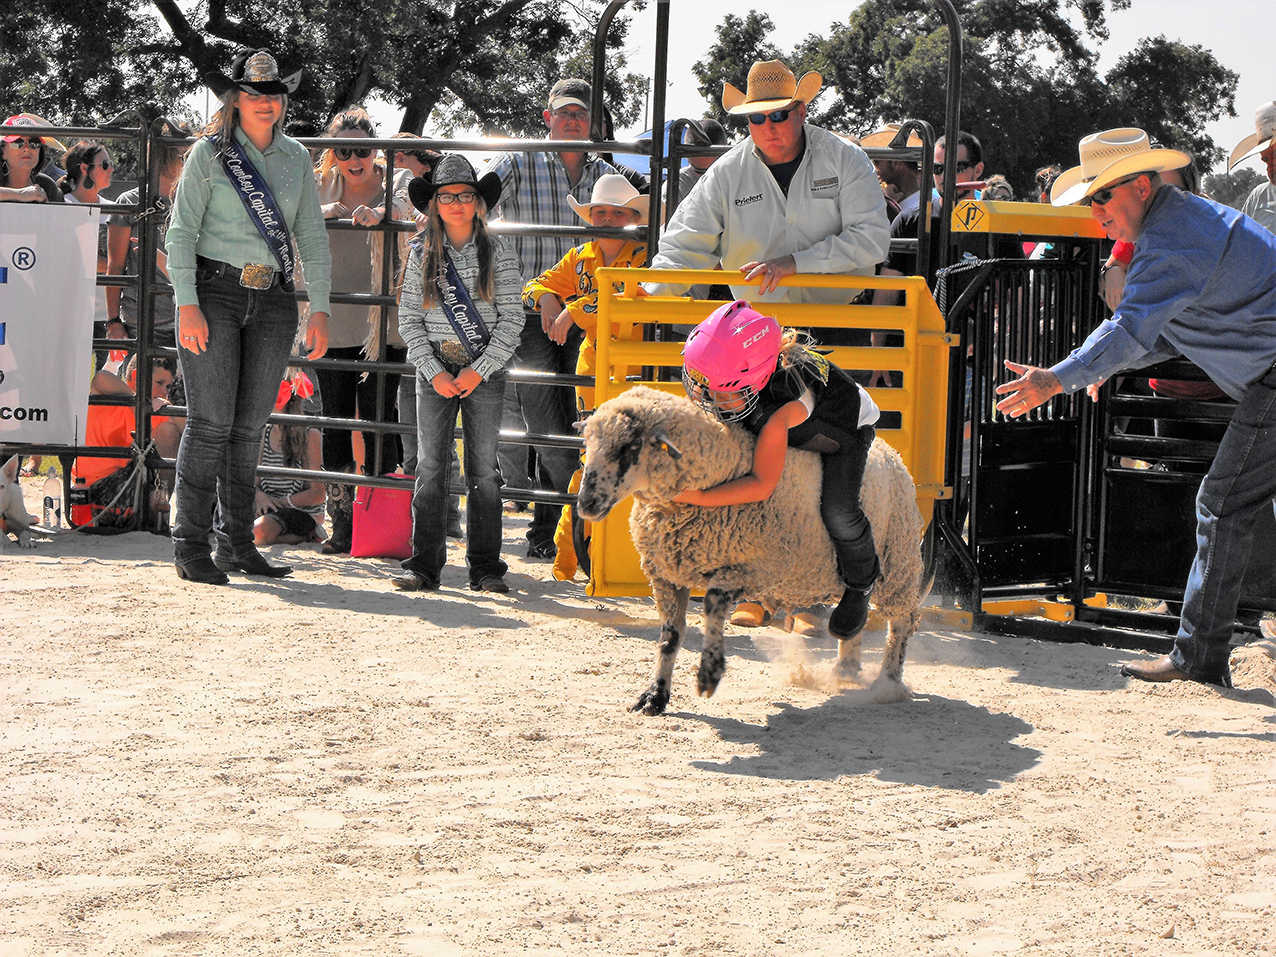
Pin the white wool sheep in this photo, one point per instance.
(653, 445)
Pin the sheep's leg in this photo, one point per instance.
(889, 685)
(671, 603)
(848, 659)
(718, 603)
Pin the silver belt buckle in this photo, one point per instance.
(455, 353)
(256, 276)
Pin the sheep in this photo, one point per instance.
(652, 445)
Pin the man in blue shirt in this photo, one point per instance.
(1202, 284)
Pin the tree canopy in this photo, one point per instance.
(455, 64)
(1030, 86)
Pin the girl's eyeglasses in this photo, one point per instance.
(446, 199)
(775, 116)
(342, 153)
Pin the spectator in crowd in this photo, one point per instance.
(1260, 205)
(115, 425)
(792, 198)
(1199, 286)
(352, 186)
(290, 510)
(997, 189)
(460, 315)
(1045, 178)
(22, 157)
(231, 261)
(123, 237)
(901, 179)
(567, 294)
(705, 131)
(534, 190)
(88, 172)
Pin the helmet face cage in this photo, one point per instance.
(743, 401)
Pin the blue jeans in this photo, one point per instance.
(436, 441)
(230, 392)
(1240, 482)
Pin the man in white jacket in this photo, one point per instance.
(791, 198)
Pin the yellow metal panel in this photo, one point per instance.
(1025, 219)
(923, 360)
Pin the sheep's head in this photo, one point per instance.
(624, 452)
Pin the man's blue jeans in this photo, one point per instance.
(231, 389)
(480, 430)
(1241, 481)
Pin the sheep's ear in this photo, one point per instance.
(661, 438)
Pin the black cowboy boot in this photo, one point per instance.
(340, 509)
(858, 567)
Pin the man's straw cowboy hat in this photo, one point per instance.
(885, 138)
(1260, 139)
(771, 86)
(1109, 156)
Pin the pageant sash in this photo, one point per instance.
(259, 202)
(459, 310)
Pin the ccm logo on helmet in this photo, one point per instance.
(750, 341)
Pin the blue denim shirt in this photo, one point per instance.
(1202, 284)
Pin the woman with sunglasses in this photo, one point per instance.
(245, 194)
(22, 157)
(352, 186)
(461, 313)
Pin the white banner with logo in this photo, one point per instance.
(48, 270)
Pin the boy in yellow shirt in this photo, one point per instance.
(567, 293)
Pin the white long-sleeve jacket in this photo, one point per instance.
(832, 221)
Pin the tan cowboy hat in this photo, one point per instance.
(884, 138)
(1109, 156)
(612, 190)
(1260, 139)
(771, 86)
(30, 119)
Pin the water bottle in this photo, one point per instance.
(52, 499)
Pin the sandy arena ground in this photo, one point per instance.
(322, 765)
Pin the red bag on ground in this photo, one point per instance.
(383, 520)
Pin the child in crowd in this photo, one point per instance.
(460, 315)
(290, 510)
(739, 366)
(567, 293)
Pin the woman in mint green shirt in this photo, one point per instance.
(245, 195)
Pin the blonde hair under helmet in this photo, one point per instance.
(1109, 156)
(612, 190)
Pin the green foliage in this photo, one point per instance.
(1232, 188)
(471, 64)
(1030, 89)
(740, 43)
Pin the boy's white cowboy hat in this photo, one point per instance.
(612, 190)
(771, 86)
(1109, 156)
(1260, 139)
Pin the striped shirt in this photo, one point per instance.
(423, 329)
(534, 188)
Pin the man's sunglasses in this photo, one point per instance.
(1104, 196)
(34, 143)
(962, 166)
(447, 199)
(342, 153)
(775, 116)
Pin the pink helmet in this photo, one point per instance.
(734, 350)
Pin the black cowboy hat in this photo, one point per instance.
(253, 71)
(453, 170)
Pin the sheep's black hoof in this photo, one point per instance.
(651, 702)
(711, 670)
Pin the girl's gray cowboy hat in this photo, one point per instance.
(1109, 156)
(1260, 139)
(612, 190)
(771, 86)
(454, 170)
(253, 71)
